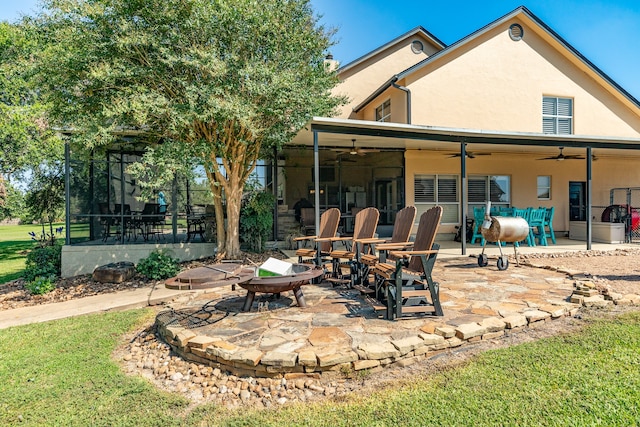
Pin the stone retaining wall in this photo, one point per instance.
(433, 337)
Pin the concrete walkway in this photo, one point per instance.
(123, 300)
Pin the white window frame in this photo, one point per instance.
(487, 190)
(383, 111)
(544, 187)
(557, 115)
(451, 214)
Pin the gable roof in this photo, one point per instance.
(417, 30)
(521, 10)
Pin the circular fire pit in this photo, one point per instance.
(302, 274)
(211, 276)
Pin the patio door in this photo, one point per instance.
(577, 201)
(388, 198)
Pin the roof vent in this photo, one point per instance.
(516, 32)
(417, 46)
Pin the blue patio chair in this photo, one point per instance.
(536, 226)
(525, 213)
(478, 218)
(548, 223)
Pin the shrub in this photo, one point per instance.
(41, 285)
(256, 220)
(43, 261)
(158, 265)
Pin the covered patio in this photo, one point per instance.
(512, 154)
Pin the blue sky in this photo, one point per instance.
(606, 32)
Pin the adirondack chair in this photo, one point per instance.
(320, 248)
(366, 222)
(407, 287)
(380, 247)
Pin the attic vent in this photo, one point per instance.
(516, 32)
(416, 46)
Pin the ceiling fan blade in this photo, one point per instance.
(470, 154)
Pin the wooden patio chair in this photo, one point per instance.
(406, 286)
(402, 227)
(366, 222)
(308, 221)
(321, 244)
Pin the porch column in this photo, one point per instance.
(588, 196)
(316, 180)
(463, 197)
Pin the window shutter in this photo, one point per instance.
(447, 190)
(477, 190)
(565, 107)
(564, 126)
(548, 125)
(424, 189)
(549, 106)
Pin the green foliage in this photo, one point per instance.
(41, 285)
(13, 204)
(221, 82)
(43, 261)
(256, 219)
(25, 135)
(158, 265)
(45, 198)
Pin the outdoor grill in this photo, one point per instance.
(502, 229)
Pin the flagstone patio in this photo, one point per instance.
(339, 330)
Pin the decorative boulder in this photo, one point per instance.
(116, 272)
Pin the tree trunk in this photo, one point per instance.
(232, 243)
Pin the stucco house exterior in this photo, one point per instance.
(511, 113)
(514, 97)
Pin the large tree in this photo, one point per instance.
(221, 81)
(25, 137)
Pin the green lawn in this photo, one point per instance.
(61, 373)
(15, 242)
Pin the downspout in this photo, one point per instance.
(408, 92)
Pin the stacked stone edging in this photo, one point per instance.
(432, 338)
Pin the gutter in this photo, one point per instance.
(408, 92)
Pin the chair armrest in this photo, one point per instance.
(297, 239)
(340, 239)
(324, 239)
(393, 246)
(408, 254)
(369, 241)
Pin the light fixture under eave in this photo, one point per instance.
(356, 150)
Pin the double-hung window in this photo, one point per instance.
(557, 115)
(383, 112)
(443, 190)
(494, 188)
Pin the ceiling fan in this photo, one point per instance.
(562, 156)
(355, 150)
(469, 154)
